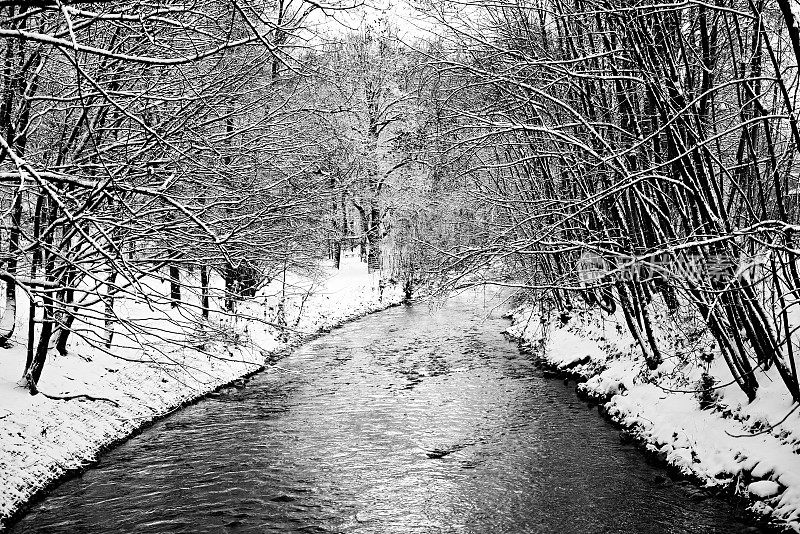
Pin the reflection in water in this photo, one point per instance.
(405, 421)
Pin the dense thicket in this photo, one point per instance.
(142, 139)
(640, 158)
(635, 156)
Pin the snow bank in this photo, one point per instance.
(743, 448)
(41, 439)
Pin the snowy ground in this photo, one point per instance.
(42, 439)
(731, 444)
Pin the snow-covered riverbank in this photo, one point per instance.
(747, 448)
(42, 440)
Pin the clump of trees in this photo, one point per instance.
(142, 139)
(651, 136)
(656, 144)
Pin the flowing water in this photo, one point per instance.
(407, 421)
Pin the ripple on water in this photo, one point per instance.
(407, 421)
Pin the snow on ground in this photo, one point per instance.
(42, 439)
(731, 444)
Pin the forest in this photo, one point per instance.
(603, 162)
(621, 156)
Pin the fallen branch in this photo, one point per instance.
(81, 396)
(768, 429)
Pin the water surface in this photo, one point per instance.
(407, 421)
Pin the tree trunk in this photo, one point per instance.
(374, 241)
(174, 285)
(204, 291)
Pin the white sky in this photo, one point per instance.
(399, 13)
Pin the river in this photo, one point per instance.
(411, 420)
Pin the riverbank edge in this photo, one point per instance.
(582, 371)
(81, 462)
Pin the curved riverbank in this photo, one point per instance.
(410, 420)
(727, 446)
(43, 441)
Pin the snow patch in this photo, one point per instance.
(763, 489)
(728, 443)
(42, 439)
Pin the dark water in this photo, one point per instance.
(407, 421)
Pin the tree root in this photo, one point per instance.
(35, 390)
